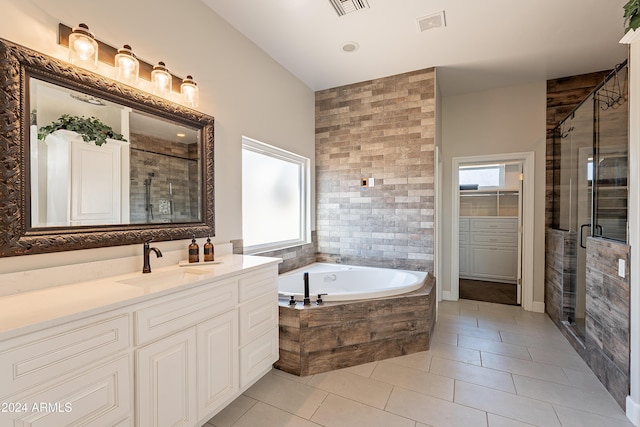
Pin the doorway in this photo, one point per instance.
(493, 224)
(489, 238)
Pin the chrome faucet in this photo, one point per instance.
(146, 267)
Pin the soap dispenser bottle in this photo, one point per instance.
(194, 251)
(208, 250)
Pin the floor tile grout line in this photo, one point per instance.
(255, 401)
(319, 406)
(625, 419)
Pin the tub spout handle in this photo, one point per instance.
(319, 299)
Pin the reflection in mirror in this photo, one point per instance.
(146, 170)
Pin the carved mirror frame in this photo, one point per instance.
(17, 237)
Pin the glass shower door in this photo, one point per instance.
(611, 157)
(582, 171)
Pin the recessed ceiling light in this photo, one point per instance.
(180, 135)
(350, 47)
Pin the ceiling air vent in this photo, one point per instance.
(435, 20)
(343, 7)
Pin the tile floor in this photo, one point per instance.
(489, 365)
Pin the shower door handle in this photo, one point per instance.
(581, 234)
(598, 228)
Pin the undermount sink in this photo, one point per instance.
(166, 278)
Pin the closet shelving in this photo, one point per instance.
(502, 202)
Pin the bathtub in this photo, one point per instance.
(345, 282)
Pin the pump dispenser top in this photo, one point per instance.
(208, 250)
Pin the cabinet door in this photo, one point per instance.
(166, 381)
(99, 396)
(494, 263)
(463, 251)
(257, 357)
(95, 183)
(217, 362)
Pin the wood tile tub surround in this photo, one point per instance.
(335, 335)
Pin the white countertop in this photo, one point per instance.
(29, 311)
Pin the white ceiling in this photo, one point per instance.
(486, 44)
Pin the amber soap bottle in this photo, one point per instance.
(208, 250)
(194, 251)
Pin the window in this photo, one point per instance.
(484, 176)
(275, 201)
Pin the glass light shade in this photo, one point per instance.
(161, 79)
(189, 91)
(127, 65)
(83, 47)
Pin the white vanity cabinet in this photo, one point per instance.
(199, 349)
(171, 370)
(258, 325)
(172, 360)
(79, 373)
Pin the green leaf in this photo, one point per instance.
(631, 15)
(91, 129)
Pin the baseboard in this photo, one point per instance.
(446, 296)
(633, 411)
(537, 307)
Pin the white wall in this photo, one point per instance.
(505, 120)
(244, 89)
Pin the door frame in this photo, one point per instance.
(528, 164)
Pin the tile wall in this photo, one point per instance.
(174, 186)
(382, 129)
(607, 316)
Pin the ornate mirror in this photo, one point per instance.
(88, 162)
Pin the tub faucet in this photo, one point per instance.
(307, 300)
(146, 267)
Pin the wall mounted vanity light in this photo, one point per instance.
(127, 65)
(83, 47)
(121, 59)
(190, 93)
(161, 79)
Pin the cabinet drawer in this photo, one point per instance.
(257, 357)
(257, 317)
(494, 239)
(495, 225)
(463, 238)
(42, 356)
(494, 263)
(184, 309)
(463, 224)
(97, 397)
(253, 285)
